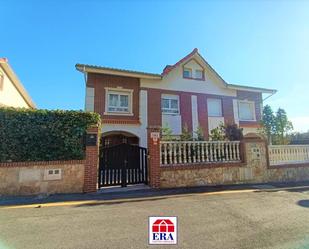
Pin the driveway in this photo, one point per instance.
(229, 219)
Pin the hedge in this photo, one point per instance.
(43, 135)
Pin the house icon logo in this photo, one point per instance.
(162, 230)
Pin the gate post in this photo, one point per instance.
(92, 160)
(153, 135)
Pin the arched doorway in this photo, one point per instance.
(122, 161)
(118, 137)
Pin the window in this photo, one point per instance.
(187, 73)
(214, 107)
(246, 110)
(170, 104)
(119, 101)
(199, 74)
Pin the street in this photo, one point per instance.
(239, 219)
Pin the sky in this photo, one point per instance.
(254, 43)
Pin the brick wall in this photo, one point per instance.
(29, 178)
(100, 81)
(154, 157)
(257, 98)
(91, 163)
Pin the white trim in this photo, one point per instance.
(194, 114)
(252, 109)
(119, 91)
(221, 109)
(170, 97)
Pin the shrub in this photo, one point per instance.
(43, 135)
(229, 132)
(233, 133)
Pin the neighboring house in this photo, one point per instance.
(12, 92)
(189, 93)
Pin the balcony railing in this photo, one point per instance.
(188, 152)
(288, 154)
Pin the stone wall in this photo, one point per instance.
(254, 169)
(35, 178)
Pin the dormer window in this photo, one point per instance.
(198, 74)
(187, 73)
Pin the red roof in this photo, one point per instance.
(169, 68)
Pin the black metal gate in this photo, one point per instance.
(122, 164)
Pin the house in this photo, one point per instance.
(188, 94)
(12, 92)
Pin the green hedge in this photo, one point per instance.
(43, 135)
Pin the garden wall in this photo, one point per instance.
(32, 178)
(253, 168)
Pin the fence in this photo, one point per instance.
(288, 154)
(185, 152)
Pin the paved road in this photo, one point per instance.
(275, 219)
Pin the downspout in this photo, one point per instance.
(269, 96)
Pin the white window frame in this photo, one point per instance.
(170, 111)
(187, 69)
(252, 106)
(202, 74)
(119, 91)
(217, 99)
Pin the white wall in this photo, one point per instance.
(173, 122)
(140, 130)
(194, 115)
(89, 101)
(214, 122)
(175, 81)
(9, 96)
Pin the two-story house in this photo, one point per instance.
(188, 94)
(12, 92)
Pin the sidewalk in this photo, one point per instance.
(118, 194)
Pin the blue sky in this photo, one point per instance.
(255, 43)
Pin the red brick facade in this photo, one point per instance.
(257, 98)
(101, 81)
(154, 158)
(91, 164)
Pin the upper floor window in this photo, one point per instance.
(198, 74)
(170, 104)
(187, 73)
(214, 107)
(246, 110)
(119, 101)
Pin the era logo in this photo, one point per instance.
(162, 230)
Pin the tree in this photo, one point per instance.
(199, 134)
(232, 132)
(186, 135)
(268, 123)
(283, 126)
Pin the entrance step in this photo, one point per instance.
(116, 189)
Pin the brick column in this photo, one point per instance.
(154, 156)
(91, 161)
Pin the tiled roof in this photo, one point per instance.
(81, 66)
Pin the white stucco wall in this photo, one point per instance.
(175, 81)
(214, 122)
(195, 123)
(9, 96)
(139, 130)
(89, 99)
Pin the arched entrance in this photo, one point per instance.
(118, 137)
(122, 160)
